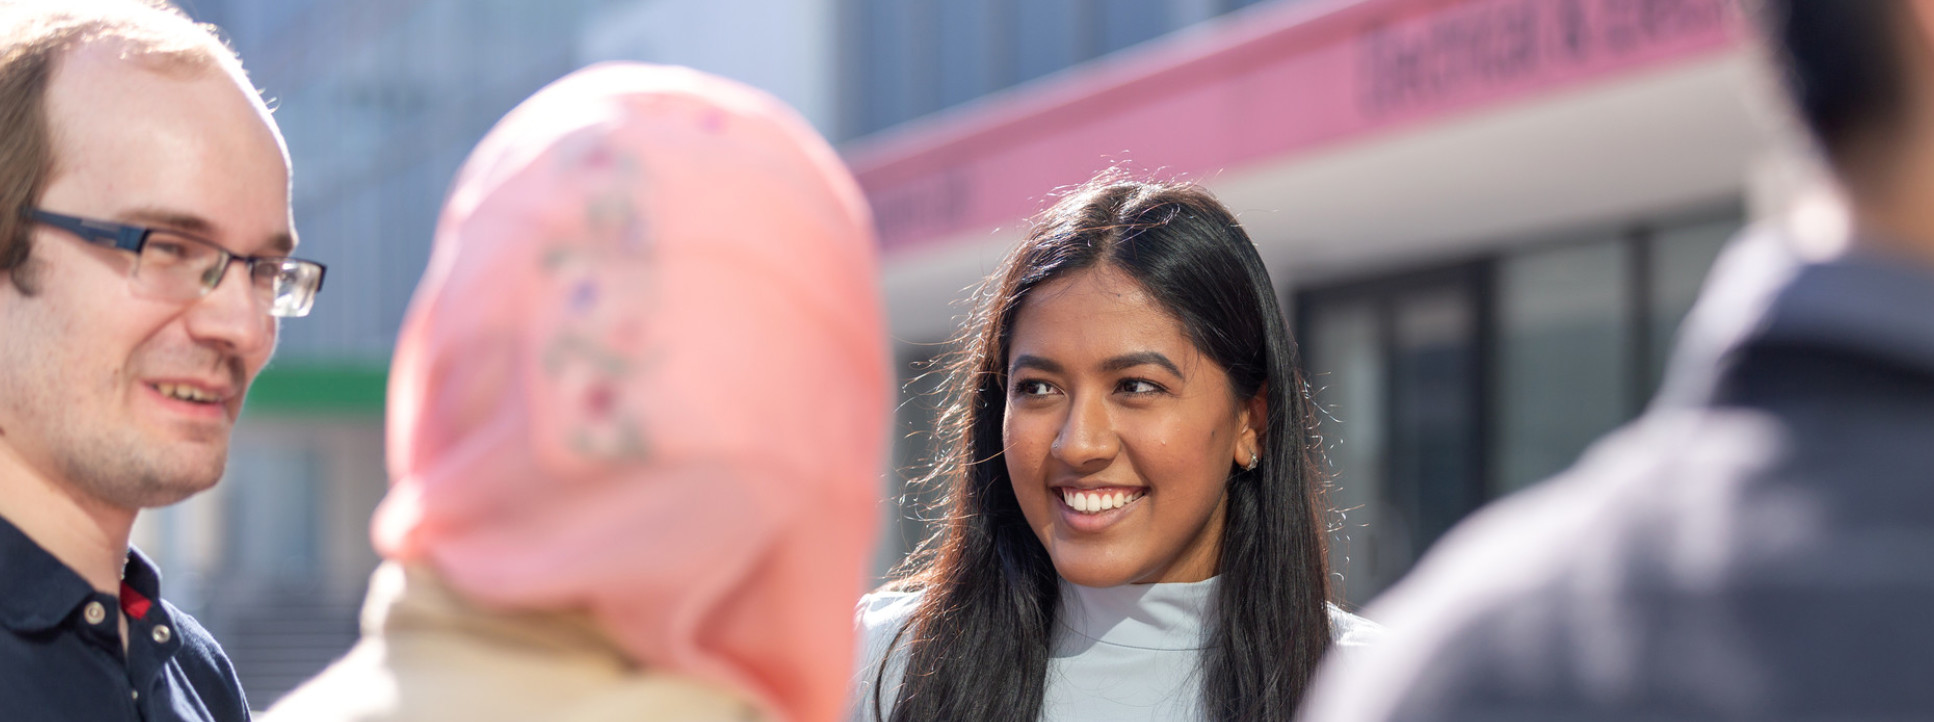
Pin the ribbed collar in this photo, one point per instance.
(1166, 617)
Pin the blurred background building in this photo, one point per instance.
(1487, 216)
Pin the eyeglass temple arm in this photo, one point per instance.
(126, 238)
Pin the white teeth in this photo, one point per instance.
(1089, 503)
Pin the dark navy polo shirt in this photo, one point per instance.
(60, 653)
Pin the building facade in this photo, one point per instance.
(1487, 216)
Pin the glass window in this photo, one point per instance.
(967, 50)
(886, 63)
(1564, 375)
(360, 216)
(1347, 370)
(1434, 412)
(1127, 22)
(273, 503)
(1441, 389)
(1680, 259)
(408, 232)
(1395, 365)
(1048, 36)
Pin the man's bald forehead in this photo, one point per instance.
(39, 37)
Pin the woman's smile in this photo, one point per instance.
(1095, 510)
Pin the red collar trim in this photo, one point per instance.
(132, 603)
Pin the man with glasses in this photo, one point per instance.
(144, 242)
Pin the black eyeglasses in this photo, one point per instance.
(176, 266)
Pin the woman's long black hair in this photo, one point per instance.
(978, 643)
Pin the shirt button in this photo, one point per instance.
(134, 694)
(94, 613)
(161, 634)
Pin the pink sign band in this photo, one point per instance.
(1265, 85)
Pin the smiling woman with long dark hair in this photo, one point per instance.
(1132, 526)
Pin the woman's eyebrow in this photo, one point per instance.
(1034, 362)
(1128, 361)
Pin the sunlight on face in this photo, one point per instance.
(1120, 435)
(125, 398)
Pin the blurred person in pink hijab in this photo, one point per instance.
(636, 417)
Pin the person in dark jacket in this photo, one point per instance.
(144, 235)
(1760, 543)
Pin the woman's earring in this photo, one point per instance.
(1254, 459)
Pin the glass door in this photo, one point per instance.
(1396, 365)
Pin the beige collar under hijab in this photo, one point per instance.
(644, 377)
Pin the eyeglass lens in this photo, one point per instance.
(183, 268)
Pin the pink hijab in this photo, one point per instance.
(644, 377)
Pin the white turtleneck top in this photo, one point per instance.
(1120, 653)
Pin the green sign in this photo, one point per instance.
(319, 388)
